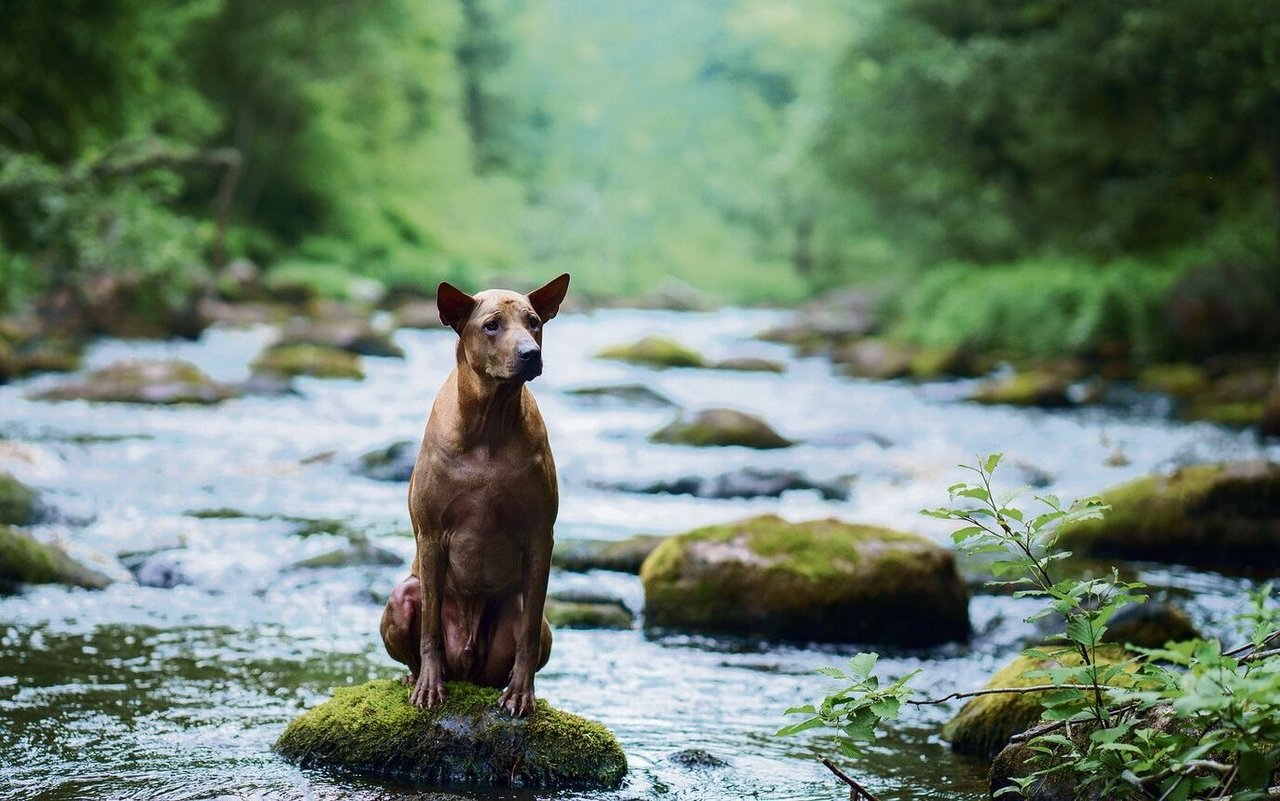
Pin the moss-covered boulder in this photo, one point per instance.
(1224, 516)
(163, 381)
(1031, 388)
(932, 363)
(583, 615)
(19, 505)
(341, 331)
(26, 560)
(360, 552)
(822, 580)
(750, 364)
(316, 361)
(657, 352)
(1237, 398)
(634, 394)
(1179, 379)
(721, 427)
(984, 724)
(874, 358)
(372, 729)
(622, 556)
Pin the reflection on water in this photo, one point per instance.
(140, 692)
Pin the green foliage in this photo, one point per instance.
(1189, 720)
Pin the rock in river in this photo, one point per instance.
(748, 482)
(166, 381)
(372, 729)
(25, 560)
(317, 361)
(822, 580)
(623, 556)
(1224, 516)
(720, 426)
(351, 334)
(19, 505)
(392, 463)
(657, 352)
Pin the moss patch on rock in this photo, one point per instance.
(373, 730)
(750, 364)
(657, 352)
(579, 615)
(162, 381)
(637, 394)
(984, 724)
(25, 560)
(721, 427)
(1178, 379)
(18, 502)
(316, 361)
(1032, 388)
(1224, 516)
(623, 556)
(822, 580)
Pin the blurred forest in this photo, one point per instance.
(1037, 174)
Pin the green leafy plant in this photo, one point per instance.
(1189, 720)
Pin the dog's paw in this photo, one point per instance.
(426, 693)
(517, 703)
(408, 679)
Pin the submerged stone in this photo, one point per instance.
(747, 482)
(1224, 516)
(637, 394)
(317, 361)
(26, 560)
(750, 364)
(823, 580)
(657, 352)
(372, 729)
(623, 556)
(391, 463)
(588, 615)
(721, 427)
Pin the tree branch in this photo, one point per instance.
(856, 791)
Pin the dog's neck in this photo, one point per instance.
(492, 409)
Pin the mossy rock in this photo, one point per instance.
(342, 332)
(580, 615)
(1237, 414)
(750, 364)
(46, 355)
(144, 381)
(622, 556)
(928, 364)
(1178, 379)
(1237, 399)
(360, 552)
(1152, 624)
(1223, 516)
(658, 352)
(25, 560)
(19, 505)
(391, 463)
(372, 729)
(745, 482)
(1033, 388)
(984, 724)
(637, 394)
(822, 580)
(721, 427)
(311, 360)
(875, 358)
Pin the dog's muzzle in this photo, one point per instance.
(529, 363)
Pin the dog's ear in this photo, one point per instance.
(455, 305)
(546, 300)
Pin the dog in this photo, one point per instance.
(483, 502)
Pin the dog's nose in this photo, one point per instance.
(529, 356)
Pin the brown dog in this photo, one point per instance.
(483, 501)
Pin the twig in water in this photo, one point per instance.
(856, 791)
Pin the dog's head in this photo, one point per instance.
(500, 332)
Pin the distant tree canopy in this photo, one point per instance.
(987, 130)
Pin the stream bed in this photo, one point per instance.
(178, 692)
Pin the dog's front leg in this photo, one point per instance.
(428, 690)
(518, 699)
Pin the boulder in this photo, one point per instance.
(636, 394)
(928, 364)
(720, 426)
(840, 316)
(1179, 379)
(373, 730)
(984, 724)
(19, 504)
(311, 360)
(750, 364)
(822, 580)
(660, 352)
(623, 556)
(874, 358)
(341, 332)
(418, 313)
(1237, 398)
(26, 560)
(164, 382)
(582, 615)
(1150, 625)
(697, 759)
(392, 463)
(1223, 516)
(1032, 388)
(359, 552)
(748, 482)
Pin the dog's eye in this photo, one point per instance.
(491, 326)
(534, 324)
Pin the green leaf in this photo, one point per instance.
(861, 664)
(796, 728)
(833, 672)
(989, 465)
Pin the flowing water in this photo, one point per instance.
(153, 693)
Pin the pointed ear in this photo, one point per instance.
(546, 300)
(455, 305)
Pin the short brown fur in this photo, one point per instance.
(483, 503)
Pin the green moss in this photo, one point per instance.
(623, 556)
(721, 427)
(1178, 379)
(310, 360)
(24, 560)
(575, 615)
(655, 352)
(984, 724)
(750, 364)
(821, 580)
(1232, 413)
(1033, 388)
(372, 729)
(1225, 516)
(166, 381)
(930, 363)
(17, 502)
(874, 358)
